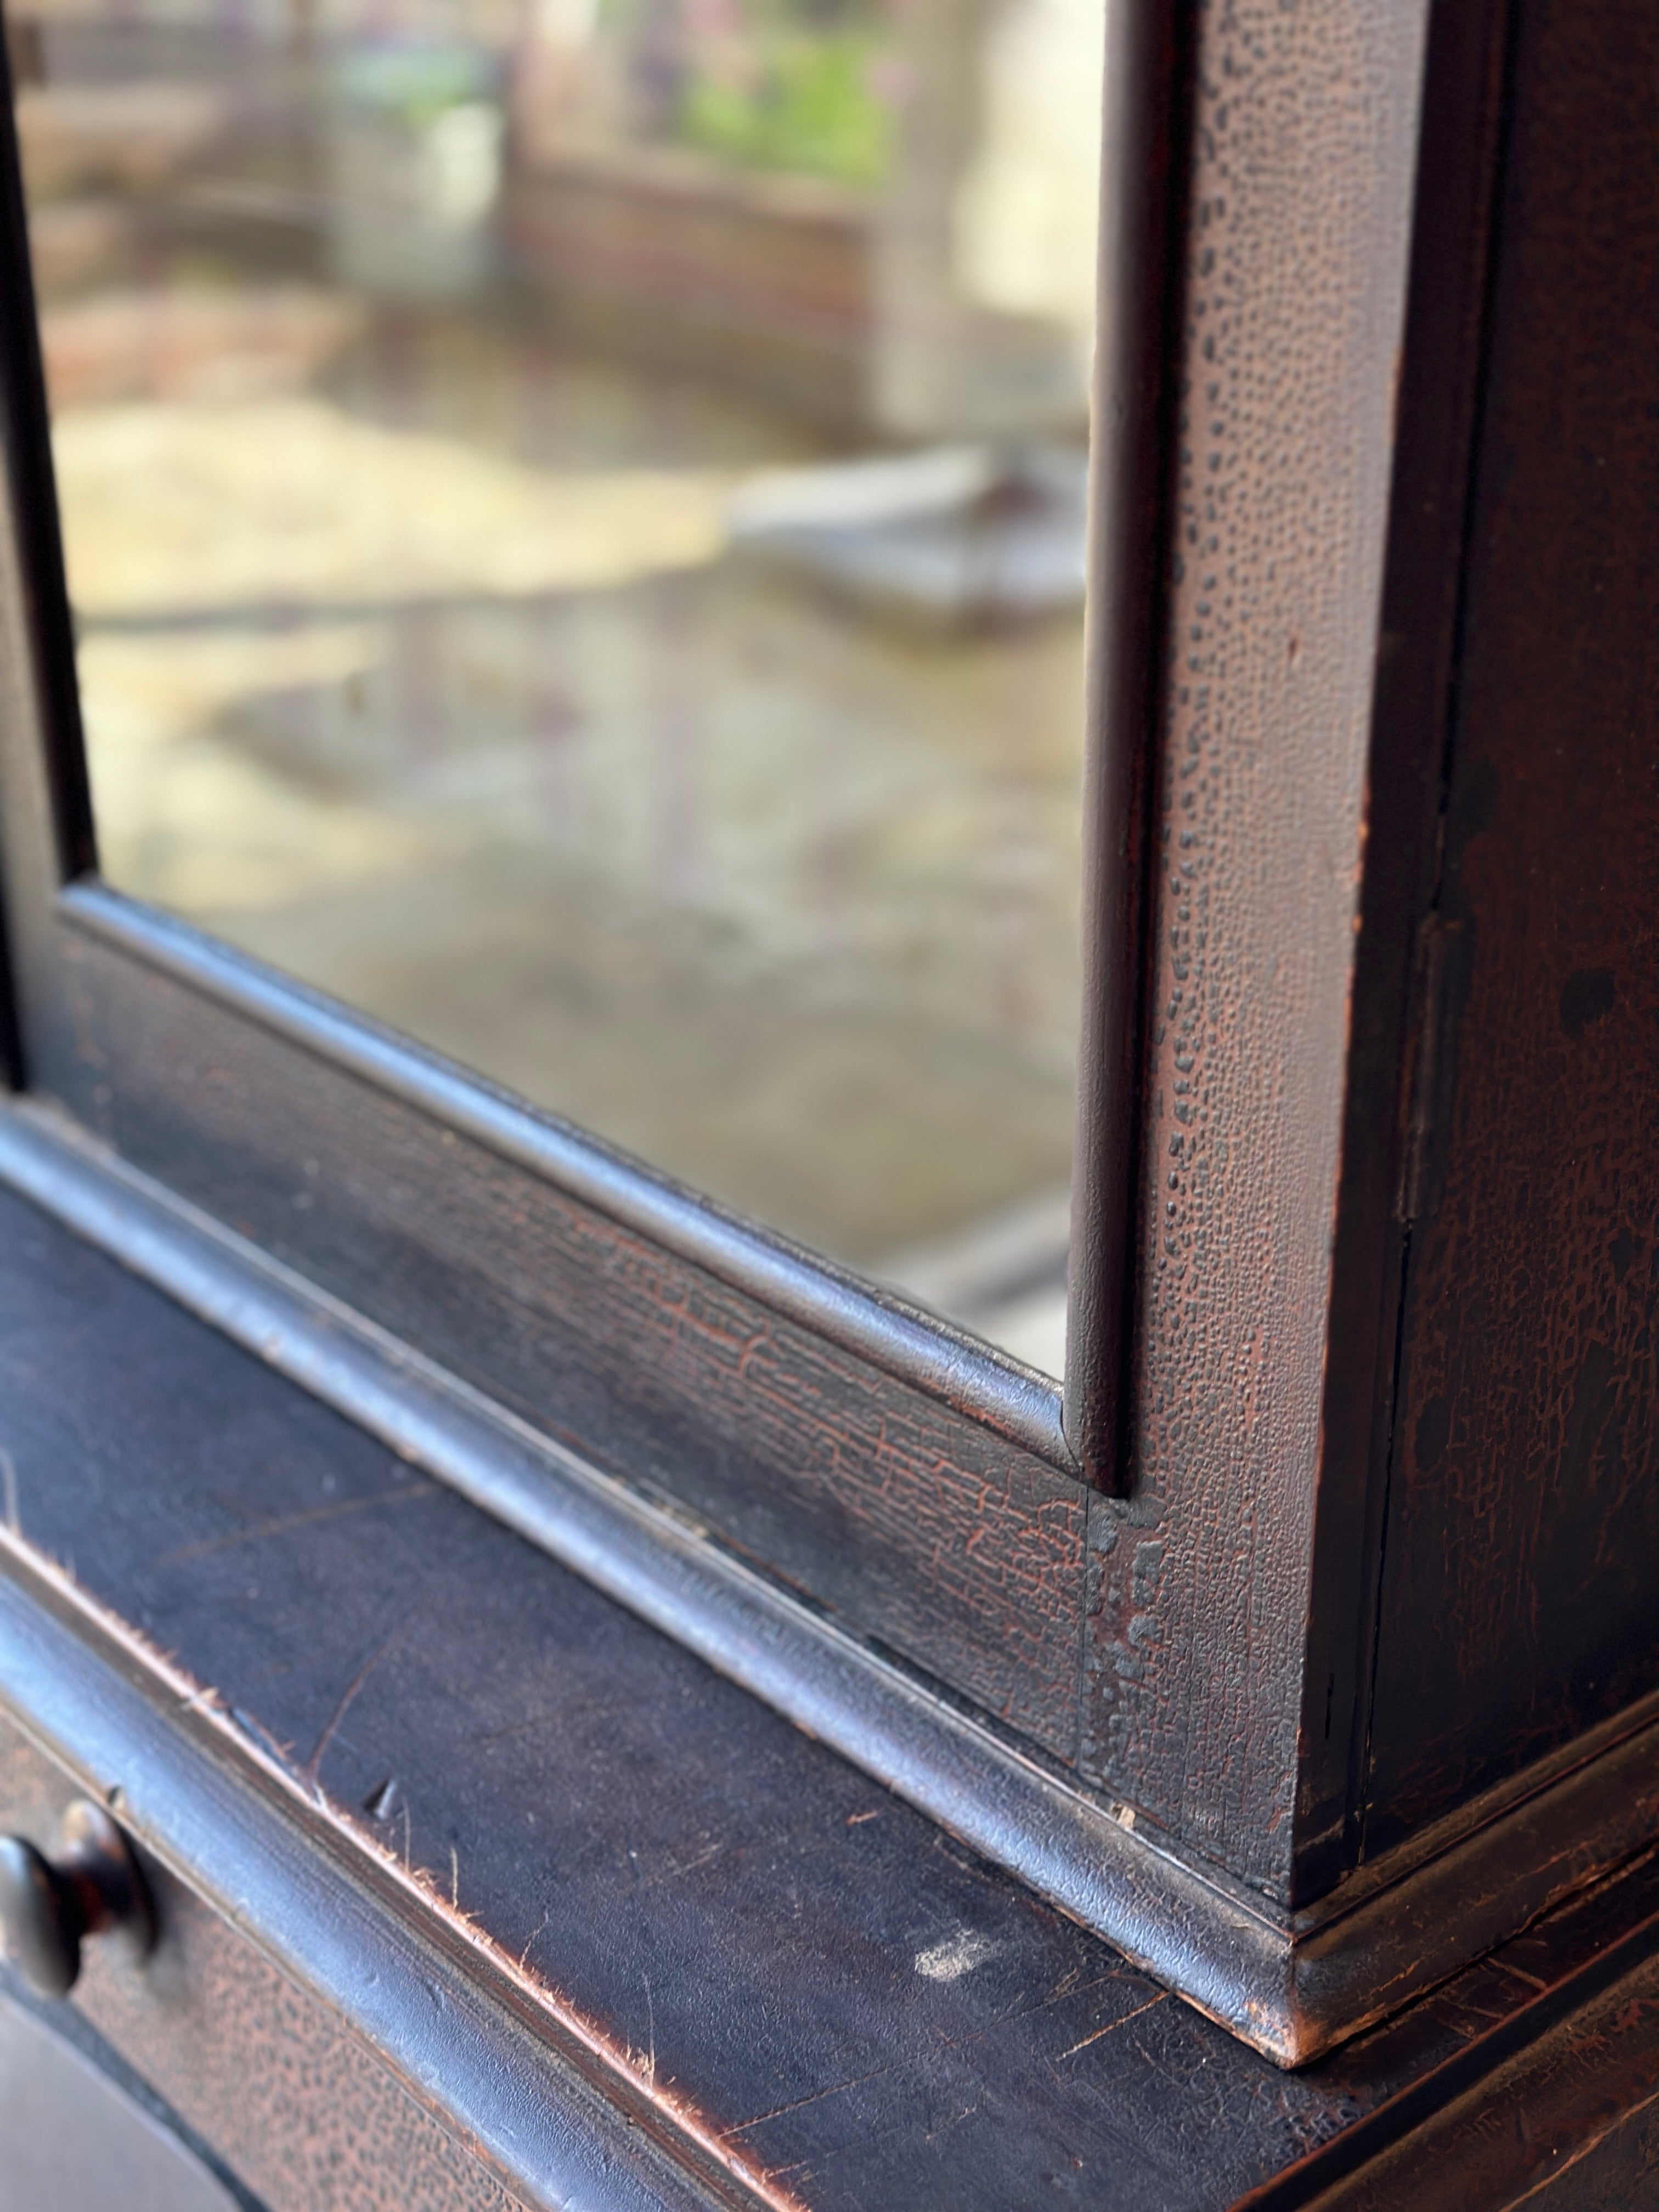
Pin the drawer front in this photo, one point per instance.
(79, 2134)
(298, 2113)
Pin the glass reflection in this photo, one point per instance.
(574, 521)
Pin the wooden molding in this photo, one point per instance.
(1291, 1983)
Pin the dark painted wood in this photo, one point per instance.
(1355, 1001)
(1292, 1984)
(1209, 1940)
(32, 499)
(1465, 81)
(1617, 2172)
(929, 1531)
(254, 2071)
(1300, 207)
(1523, 1522)
(1144, 218)
(66, 2029)
(923, 1519)
(877, 1325)
(1570, 2119)
(875, 2017)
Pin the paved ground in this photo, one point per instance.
(437, 682)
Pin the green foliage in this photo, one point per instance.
(804, 103)
(414, 80)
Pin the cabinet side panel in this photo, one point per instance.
(1459, 157)
(1523, 1521)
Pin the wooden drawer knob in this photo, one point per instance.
(91, 1885)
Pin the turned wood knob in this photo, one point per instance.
(90, 1886)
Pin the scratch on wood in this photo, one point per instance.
(539, 1931)
(1113, 2025)
(33, 1569)
(1069, 1985)
(265, 1529)
(954, 2121)
(1532, 1981)
(313, 1765)
(797, 2104)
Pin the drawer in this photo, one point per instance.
(245, 2071)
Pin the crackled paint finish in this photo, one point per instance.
(863, 2012)
(1297, 231)
(302, 2115)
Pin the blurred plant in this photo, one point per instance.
(795, 85)
(416, 81)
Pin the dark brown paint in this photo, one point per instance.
(1144, 218)
(783, 1951)
(1387, 1418)
(1466, 78)
(1524, 1524)
(1299, 206)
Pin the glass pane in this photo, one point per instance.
(574, 520)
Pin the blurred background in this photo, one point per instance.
(574, 519)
